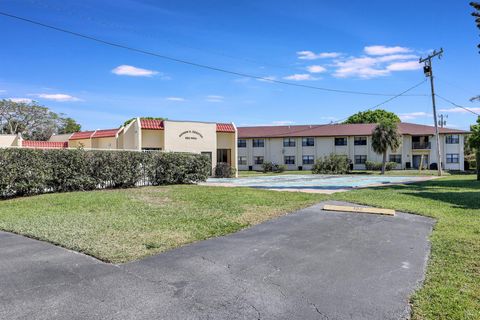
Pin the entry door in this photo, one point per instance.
(417, 160)
(223, 155)
(209, 155)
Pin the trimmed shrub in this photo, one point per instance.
(273, 167)
(332, 164)
(224, 170)
(30, 171)
(377, 166)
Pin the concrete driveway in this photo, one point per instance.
(311, 264)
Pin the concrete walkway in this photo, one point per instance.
(308, 265)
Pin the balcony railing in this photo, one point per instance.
(421, 145)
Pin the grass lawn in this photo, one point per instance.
(122, 225)
(452, 286)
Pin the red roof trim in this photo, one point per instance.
(44, 144)
(225, 127)
(151, 124)
(105, 133)
(328, 130)
(82, 135)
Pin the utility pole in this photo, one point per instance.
(427, 69)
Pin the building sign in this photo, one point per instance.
(191, 135)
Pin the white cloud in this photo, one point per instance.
(300, 77)
(21, 100)
(2, 91)
(393, 57)
(126, 70)
(175, 99)
(459, 110)
(310, 55)
(316, 69)
(413, 115)
(363, 67)
(404, 66)
(384, 50)
(214, 98)
(60, 97)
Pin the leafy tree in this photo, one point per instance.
(69, 126)
(474, 142)
(147, 118)
(385, 136)
(373, 116)
(31, 120)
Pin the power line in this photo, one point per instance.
(195, 64)
(456, 105)
(374, 107)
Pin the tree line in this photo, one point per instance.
(33, 121)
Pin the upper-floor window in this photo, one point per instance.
(288, 142)
(452, 139)
(308, 159)
(395, 158)
(258, 143)
(289, 159)
(242, 143)
(258, 160)
(360, 159)
(308, 142)
(453, 158)
(341, 141)
(360, 141)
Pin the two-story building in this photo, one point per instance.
(299, 146)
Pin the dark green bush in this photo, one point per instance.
(29, 171)
(224, 170)
(377, 166)
(273, 167)
(332, 164)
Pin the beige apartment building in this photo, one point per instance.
(299, 146)
(218, 141)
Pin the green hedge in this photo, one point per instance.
(377, 166)
(332, 164)
(30, 171)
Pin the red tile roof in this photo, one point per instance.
(332, 130)
(105, 133)
(44, 144)
(82, 135)
(151, 124)
(225, 127)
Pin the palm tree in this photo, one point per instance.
(384, 136)
(474, 141)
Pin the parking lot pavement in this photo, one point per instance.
(311, 264)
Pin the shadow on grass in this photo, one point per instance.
(461, 200)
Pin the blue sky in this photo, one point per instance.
(370, 46)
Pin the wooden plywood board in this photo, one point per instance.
(388, 212)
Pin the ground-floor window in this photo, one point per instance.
(258, 160)
(289, 159)
(360, 159)
(308, 159)
(395, 158)
(242, 160)
(453, 158)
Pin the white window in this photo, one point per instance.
(258, 143)
(395, 158)
(308, 159)
(288, 142)
(242, 143)
(242, 160)
(452, 139)
(258, 160)
(453, 158)
(308, 142)
(289, 159)
(360, 141)
(360, 159)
